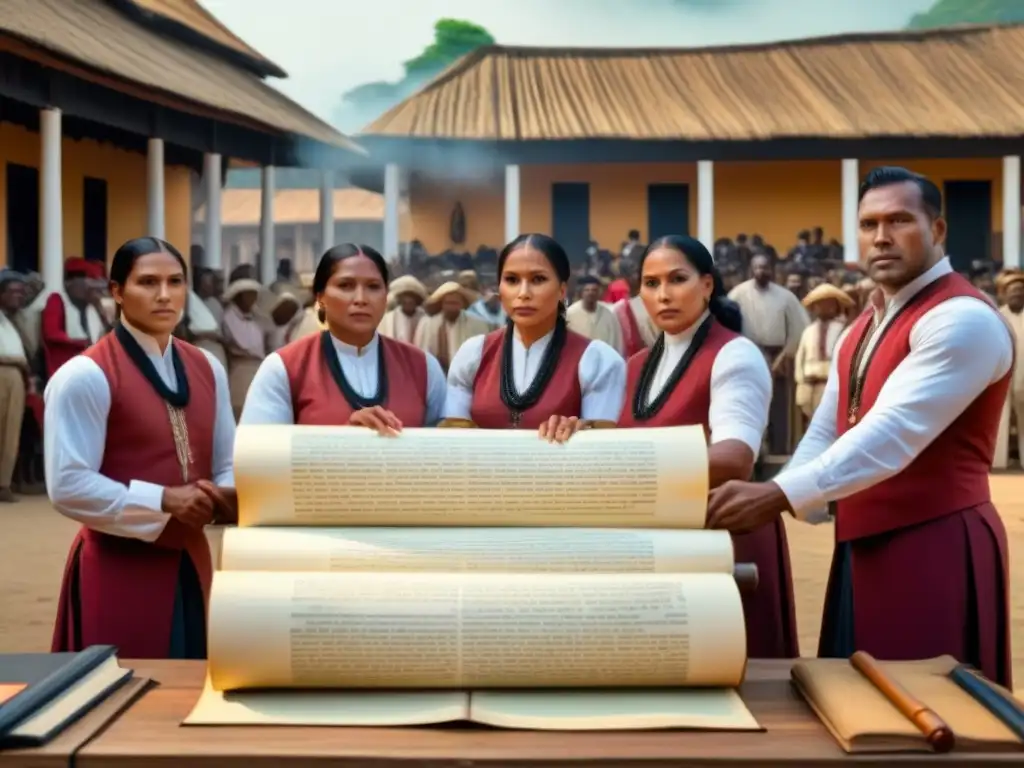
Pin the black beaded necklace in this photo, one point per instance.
(641, 410)
(513, 400)
(138, 356)
(353, 398)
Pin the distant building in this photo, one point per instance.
(358, 218)
(769, 139)
(112, 110)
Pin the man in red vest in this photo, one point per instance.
(902, 443)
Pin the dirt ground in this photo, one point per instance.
(34, 541)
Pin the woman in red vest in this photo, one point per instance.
(349, 373)
(138, 445)
(702, 371)
(534, 373)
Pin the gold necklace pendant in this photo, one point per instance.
(179, 428)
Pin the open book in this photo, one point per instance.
(566, 710)
(863, 720)
(350, 476)
(366, 634)
(488, 576)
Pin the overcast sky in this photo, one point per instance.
(330, 46)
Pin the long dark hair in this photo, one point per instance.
(551, 250)
(126, 256)
(334, 256)
(721, 307)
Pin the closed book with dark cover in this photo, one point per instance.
(59, 689)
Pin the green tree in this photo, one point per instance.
(947, 12)
(453, 39)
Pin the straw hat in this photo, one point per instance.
(242, 286)
(827, 291)
(407, 284)
(446, 290)
(1007, 278)
(285, 298)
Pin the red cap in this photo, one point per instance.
(96, 270)
(76, 267)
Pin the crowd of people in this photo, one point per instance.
(795, 308)
(139, 425)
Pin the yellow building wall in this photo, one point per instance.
(774, 199)
(778, 199)
(432, 201)
(125, 174)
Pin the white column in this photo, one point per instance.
(1011, 211)
(706, 203)
(211, 226)
(155, 190)
(392, 193)
(51, 219)
(512, 197)
(326, 214)
(267, 268)
(850, 187)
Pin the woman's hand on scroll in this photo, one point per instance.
(558, 429)
(379, 419)
(740, 507)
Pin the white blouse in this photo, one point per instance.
(741, 386)
(602, 375)
(957, 350)
(269, 399)
(77, 400)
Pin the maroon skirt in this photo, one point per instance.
(927, 590)
(770, 610)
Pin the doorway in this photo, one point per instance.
(570, 218)
(94, 219)
(668, 210)
(22, 217)
(969, 216)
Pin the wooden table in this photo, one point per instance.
(149, 735)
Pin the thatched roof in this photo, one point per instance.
(957, 82)
(99, 38)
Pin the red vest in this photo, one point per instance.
(631, 338)
(948, 476)
(126, 587)
(317, 400)
(561, 397)
(690, 401)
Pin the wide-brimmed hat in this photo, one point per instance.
(407, 284)
(285, 298)
(446, 289)
(827, 291)
(242, 286)
(1005, 279)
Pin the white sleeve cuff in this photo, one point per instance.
(145, 496)
(746, 435)
(800, 485)
(141, 516)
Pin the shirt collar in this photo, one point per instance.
(686, 336)
(911, 289)
(539, 342)
(148, 343)
(347, 349)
